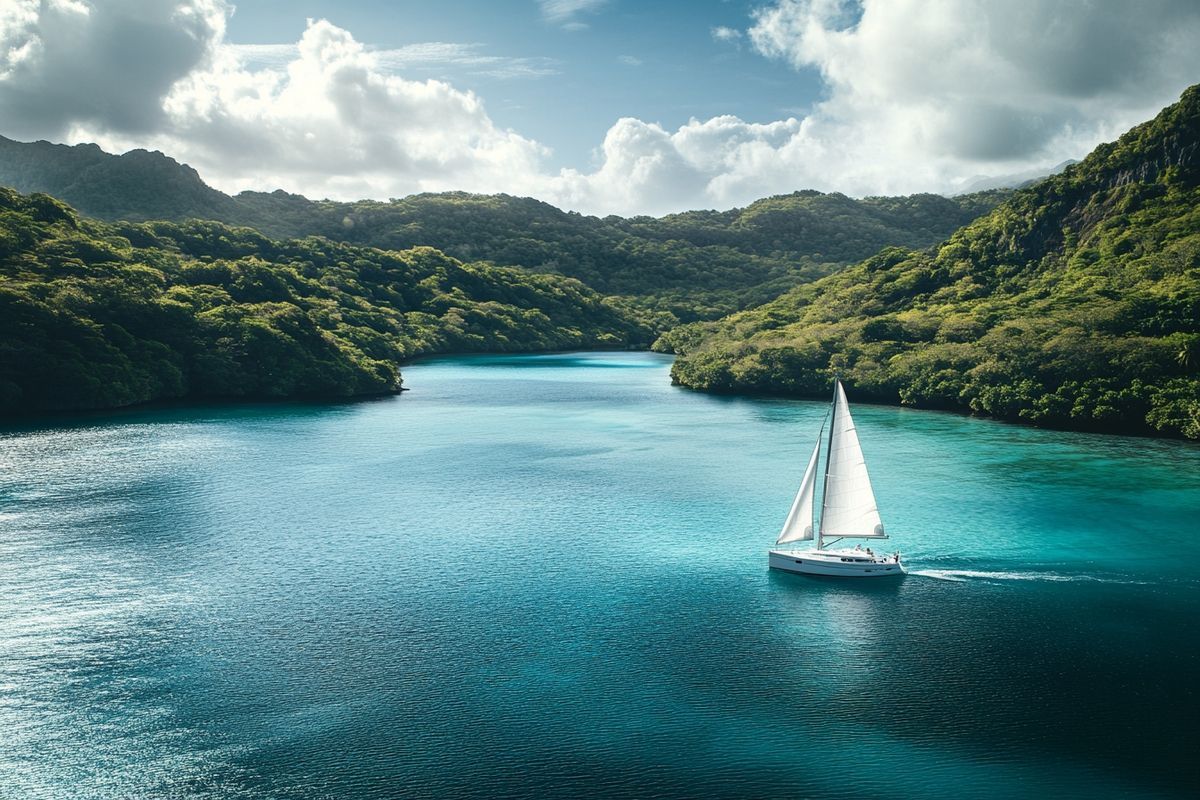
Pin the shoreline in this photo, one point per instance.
(746, 394)
(42, 418)
(15, 421)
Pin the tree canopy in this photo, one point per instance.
(97, 315)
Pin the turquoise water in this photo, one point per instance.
(545, 576)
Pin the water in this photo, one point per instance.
(545, 576)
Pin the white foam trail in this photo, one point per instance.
(962, 575)
(937, 574)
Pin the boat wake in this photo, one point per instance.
(963, 575)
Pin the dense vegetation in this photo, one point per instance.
(782, 239)
(98, 315)
(697, 265)
(1076, 303)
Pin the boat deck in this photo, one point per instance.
(852, 563)
(843, 556)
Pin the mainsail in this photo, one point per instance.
(848, 506)
(799, 524)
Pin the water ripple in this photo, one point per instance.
(546, 577)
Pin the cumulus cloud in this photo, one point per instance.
(917, 98)
(66, 61)
(333, 122)
(924, 92)
(647, 169)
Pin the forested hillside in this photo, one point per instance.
(96, 315)
(696, 250)
(137, 185)
(1076, 303)
(691, 266)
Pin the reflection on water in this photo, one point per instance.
(546, 576)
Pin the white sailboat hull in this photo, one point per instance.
(836, 563)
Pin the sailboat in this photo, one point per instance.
(848, 509)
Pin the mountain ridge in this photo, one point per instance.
(687, 266)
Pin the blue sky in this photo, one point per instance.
(599, 106)
(656, 61)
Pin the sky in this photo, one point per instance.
(599, 106)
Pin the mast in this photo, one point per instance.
(828, 452)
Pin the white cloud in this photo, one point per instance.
(566, 12)
(922, 94)
(647, 169)
(917, 98)
(465, 58)
(334, 122)
(468, 58)
(723, 33)
(66, 61)
(630, 61)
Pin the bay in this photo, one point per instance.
(546, 576)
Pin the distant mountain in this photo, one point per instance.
(692, 265)
(1076, 303)
(697, 265)
(1015, 180)
(138, 185)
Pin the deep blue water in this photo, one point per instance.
(546, 576)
